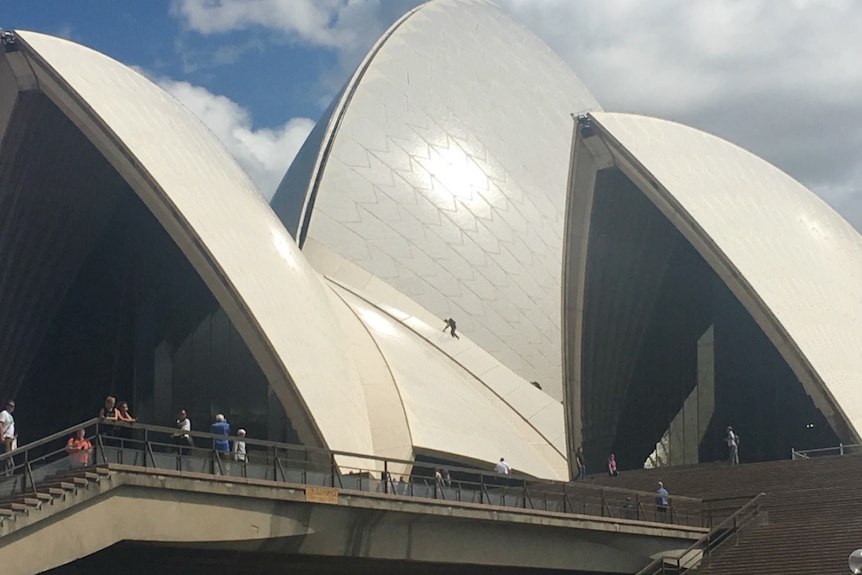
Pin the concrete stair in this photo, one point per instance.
(57, 487)
(813, 507)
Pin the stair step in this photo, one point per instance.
(56, 491)
(64, 485)
(6, 513)
(18, 507)
(44, 496)
(80, 481)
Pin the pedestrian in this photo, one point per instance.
(108, 415)
(79, 449)
(182, 438)
(450, 325)
(732, 441)
(8, 435)
(629, 509)
(502, 468)
(581, 463)
(109, 411)
(239, 452)
(221, 447)
(125, 416)
(612, 466)
(438, 477)
(7, 426)
(123, 413)
(447, 479)
(661, 502)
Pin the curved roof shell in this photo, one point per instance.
(450, 411)
(345, 384)
(222, 224)
(790, 259)
(442, 170)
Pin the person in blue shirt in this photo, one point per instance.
(661, 502)
(221, 446)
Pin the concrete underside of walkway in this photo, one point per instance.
(198, 521)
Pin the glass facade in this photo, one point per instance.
(127, 315)
(670, 356)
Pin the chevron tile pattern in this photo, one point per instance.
(447, 176)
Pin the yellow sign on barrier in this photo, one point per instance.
(325, 495)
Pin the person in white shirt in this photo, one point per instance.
(182, 437)
(502, 467)
(239, 453)
(7, 426)
(8, 436)
(732, 441)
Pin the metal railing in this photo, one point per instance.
(700, 550)
(156, 447)
(840, 449)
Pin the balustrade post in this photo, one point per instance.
(332, 468)
(386, 476)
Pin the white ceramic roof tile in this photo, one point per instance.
(421, 109)
(449, 410)
(800, 259)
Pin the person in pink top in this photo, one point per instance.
(78, 448)
(612, 466)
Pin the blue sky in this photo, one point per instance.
(257, 68)
(779, 77)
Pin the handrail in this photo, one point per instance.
(840, 449)
(171, 431)
(568, 497)
(53, 437)
(698, 545)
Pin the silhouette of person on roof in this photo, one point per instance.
(450, 325)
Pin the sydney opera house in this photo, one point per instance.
(656, 282)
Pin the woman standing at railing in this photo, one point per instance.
(108, 414)
(125, 416)
(79, 449)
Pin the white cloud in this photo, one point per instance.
(349, 27)
(265, 153)
(779, 78)
(333, 23)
